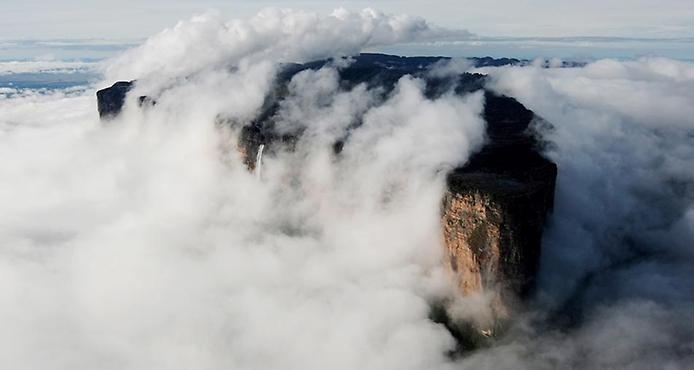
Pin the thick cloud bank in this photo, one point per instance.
(618, 257)
(144, 243)
(208, 41)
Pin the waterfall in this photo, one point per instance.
(259, 160)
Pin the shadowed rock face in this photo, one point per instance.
(111, 99)
(375, 70)
(494, 208)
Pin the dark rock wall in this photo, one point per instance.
(110, 100)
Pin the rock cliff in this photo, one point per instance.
(494, 209)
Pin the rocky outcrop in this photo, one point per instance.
(110, 100)
(495, 206)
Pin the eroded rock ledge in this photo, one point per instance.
(494, 209)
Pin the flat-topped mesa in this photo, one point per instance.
(495, 206)
(367, 67)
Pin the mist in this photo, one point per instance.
(144, 241)
(617, 254)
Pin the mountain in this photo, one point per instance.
(494, 208)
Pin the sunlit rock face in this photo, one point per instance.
(495, 206)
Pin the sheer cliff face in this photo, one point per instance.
(494, 207)
(471, 229)
(492, 231)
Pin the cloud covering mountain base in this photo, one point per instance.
(144, 242)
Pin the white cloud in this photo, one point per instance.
(144, 243)
(275, 34)
(141, 243)
(620, 242)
